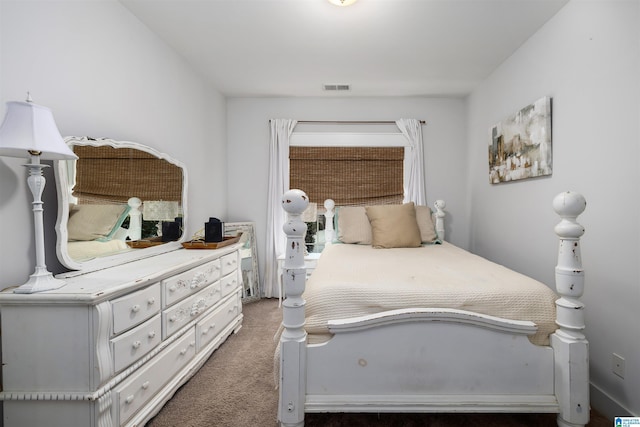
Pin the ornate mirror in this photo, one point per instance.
(248, 258)
(119, 201)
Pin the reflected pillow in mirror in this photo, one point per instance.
(95, 222)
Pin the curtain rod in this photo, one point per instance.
(352, 122)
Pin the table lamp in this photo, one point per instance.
(29, 130)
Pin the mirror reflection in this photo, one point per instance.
(117, 197)
(248, 258)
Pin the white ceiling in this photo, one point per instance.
(379, 47)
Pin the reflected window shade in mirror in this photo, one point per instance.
(355, 176)
(115, 174)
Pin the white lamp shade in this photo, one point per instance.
(31, 127)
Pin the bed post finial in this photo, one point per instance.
(570, 345)
(135, 218)
(293, 340)
(329, 212)
(438, 216)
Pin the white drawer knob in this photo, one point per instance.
(145, 385)
(136, 344)
(152, 334)
(135, 308)
(172, 288)
(173, 318)
(206, 330)
(183, 351)
(151, 301)
(198, 307)
(129, 399)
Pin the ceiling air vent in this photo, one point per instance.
(336, 87)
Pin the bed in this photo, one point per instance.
(420, 325)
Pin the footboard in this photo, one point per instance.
(430, 360)
(434, 359)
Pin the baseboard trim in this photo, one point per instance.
(606, 405)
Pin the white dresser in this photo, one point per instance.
(112, 346)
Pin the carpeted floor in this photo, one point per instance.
(235, 388)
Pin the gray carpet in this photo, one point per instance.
(235, 388)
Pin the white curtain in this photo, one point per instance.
(281, 130)
(415, 191)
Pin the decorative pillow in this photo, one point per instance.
(394, 226)
(353, 225)
(95, 222)
(425, 223)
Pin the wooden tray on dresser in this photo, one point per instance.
(141, 244)
(201, 244)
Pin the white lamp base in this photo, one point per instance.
(41, 280)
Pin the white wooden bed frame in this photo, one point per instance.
(435, 359)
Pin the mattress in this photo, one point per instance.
(356, 280)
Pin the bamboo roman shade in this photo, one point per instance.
(355, 176)
(112, 175)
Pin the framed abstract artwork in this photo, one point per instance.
(520, 145)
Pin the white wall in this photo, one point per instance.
(103, 74)
(248, 149)
(587, 58)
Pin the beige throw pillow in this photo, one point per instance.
(394, 226)
(91, 222)
(425, 223)
(353, 225)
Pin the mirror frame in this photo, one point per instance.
(62, 186)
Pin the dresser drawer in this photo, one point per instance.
(229, 263)
(132, 345)
(182, 285)
(229, 283)
(135, 308)
(183, 312)
(132, 394)
(209, 327)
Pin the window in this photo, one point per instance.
(348, 175)
(351, 169)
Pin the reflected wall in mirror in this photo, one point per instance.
(251, 289)
(118, 202)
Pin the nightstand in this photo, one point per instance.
(310, 262)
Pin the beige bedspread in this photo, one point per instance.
(86, 250)
(355, 280)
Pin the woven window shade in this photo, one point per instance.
(351, 176)
(112, 175)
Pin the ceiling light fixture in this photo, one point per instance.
(342, 2)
